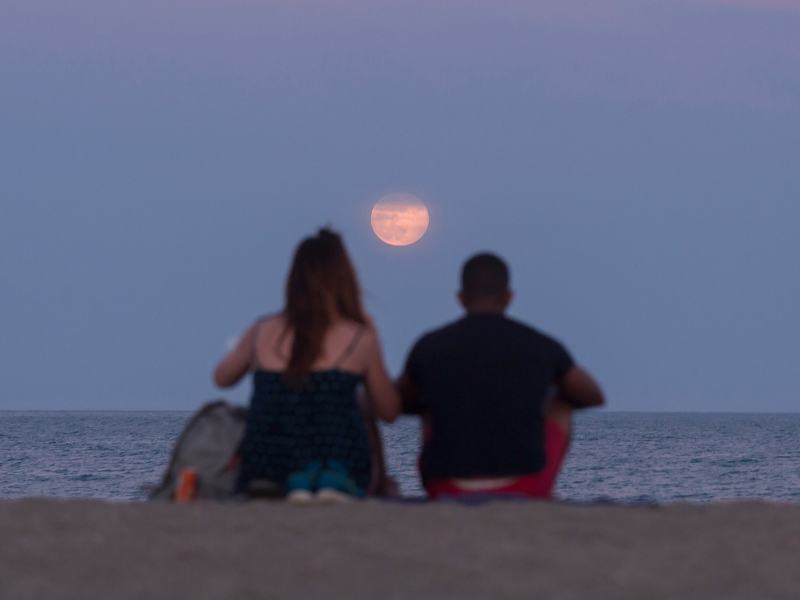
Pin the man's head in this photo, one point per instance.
(485, 284)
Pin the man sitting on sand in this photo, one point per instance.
(496, 396)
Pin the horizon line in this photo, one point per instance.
(579, 411)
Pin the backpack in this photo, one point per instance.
(208, 445)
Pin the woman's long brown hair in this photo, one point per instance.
(322, 285)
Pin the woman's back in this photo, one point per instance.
(296, 427)
(343, 346)
(292, 425)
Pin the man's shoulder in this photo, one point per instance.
(441, 331)
(531, 332)
(453, 331)
(438, 335)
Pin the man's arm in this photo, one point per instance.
(408, 384)
(409, 395)
(579, 389)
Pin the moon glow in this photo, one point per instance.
(400, 219)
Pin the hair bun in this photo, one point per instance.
(326, 233)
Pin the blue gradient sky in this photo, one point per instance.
(637, 162)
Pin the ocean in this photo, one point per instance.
(624, 457)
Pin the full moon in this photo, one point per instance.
(400, 219)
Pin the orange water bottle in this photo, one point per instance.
(187, 486)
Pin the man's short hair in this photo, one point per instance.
(484, 276)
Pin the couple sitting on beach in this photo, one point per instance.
(495, 396)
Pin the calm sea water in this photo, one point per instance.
(629, 457)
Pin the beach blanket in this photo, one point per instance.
(207, 448)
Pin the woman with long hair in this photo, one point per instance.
(306, 432)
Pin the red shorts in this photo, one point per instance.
(536, 485)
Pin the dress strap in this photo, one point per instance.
(350, 347)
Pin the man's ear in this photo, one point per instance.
(508, 298)
(461, 300)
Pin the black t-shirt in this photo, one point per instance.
(482, 382)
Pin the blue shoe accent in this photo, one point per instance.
(337, 478)
(304, 480)
(298, 481)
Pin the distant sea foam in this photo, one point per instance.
(626, 457)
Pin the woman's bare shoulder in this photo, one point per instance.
(270, 317)
(353, 328)
(270, 325)
(368, 338)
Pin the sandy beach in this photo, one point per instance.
(89, 549)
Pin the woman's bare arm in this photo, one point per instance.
(382, 394)
(235, 365)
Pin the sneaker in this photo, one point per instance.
(300, 485)
(336, 486)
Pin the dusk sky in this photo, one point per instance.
(637, 162)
